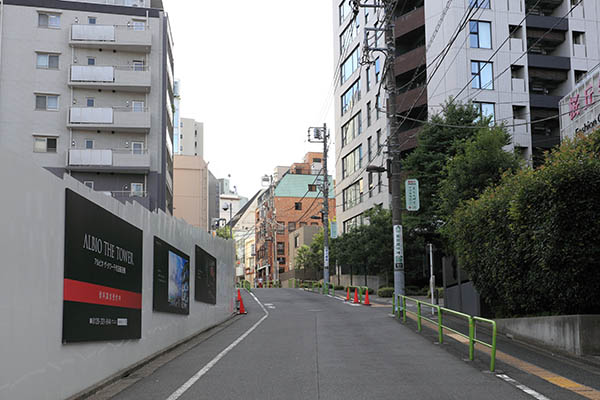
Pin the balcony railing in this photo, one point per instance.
(126, 193)
(132, 160)
(130, 77)
(133, 36)
(125, 118)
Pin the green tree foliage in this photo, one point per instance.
(224, 232)
(311, 257)
(479, 162)
(531, 244)
(438, 141)
(369, 245)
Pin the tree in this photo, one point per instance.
(224, 232)
(479, 162)
(530, 244)
(438, 142)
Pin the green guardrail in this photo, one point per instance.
(327, 287)
(361, 292)
(272, 284)
(472, 321)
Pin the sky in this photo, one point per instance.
(258, 74)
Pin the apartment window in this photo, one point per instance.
(350, 65)
(368, 74)
(46, 20)
(89, 144)
(44, 145)
(352, 129)
(91, 61)
(377, 70)
(369, 113)
(137, 147)
(480, 34)
(298, 206)
(89, 184)
(352, 195)
(485, 110)
(345, 10)
(312, 188)
(379, 182)
(350, 97)
(348, 36)
(139, 25)
(378, 106)
(92, 20)
(138, 65)
(370, 148)
(90, 101)
(352, 162)
(353, 222)
(378, 141)
(480, 3)
(280, 248)
(47, 61)
(291, 227)
(482, 74)
(280, 227)
(46, 102)
(371, 184)
(137, 106)
(137, 189)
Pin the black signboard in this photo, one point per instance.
(171, 279)
(102, 297)
(206, 277)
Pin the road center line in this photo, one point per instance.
(185, 387)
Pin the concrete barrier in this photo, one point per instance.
(34, 363)
(576, 334)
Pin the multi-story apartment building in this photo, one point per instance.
(86, 88)
(513, 59)
(191, 138)
(292, 202)
(360, 120)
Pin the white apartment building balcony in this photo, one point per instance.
(109, 160)
(129, 119)
(130, 78)
(135, 37)
(520, 133)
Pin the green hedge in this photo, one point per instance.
(386, 292)
(339, 287)
(532, 244)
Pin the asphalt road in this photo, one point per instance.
(317, 347)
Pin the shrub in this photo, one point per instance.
(386, 292)
(530, 244)
(339, 287)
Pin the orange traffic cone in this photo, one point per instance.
(367, 303)
(356, 297)
(242, 309)
(348, 295)
(239, 295)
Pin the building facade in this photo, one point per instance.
(191, 191)
(191, 137)
(86, 88)
(514, 60)
(294, 201)
(360, 120)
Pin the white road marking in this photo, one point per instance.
(184, 388)
(522, 387)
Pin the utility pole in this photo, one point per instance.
(394, 156)
(394, 151)
(320, 135)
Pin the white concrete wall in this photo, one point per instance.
(34, 364)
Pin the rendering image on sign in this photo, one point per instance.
(206, 277)
(171, 279)
(102, 297)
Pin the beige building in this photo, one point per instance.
(250, 260)
(191, 138)
(191, 200)
(86, 88)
